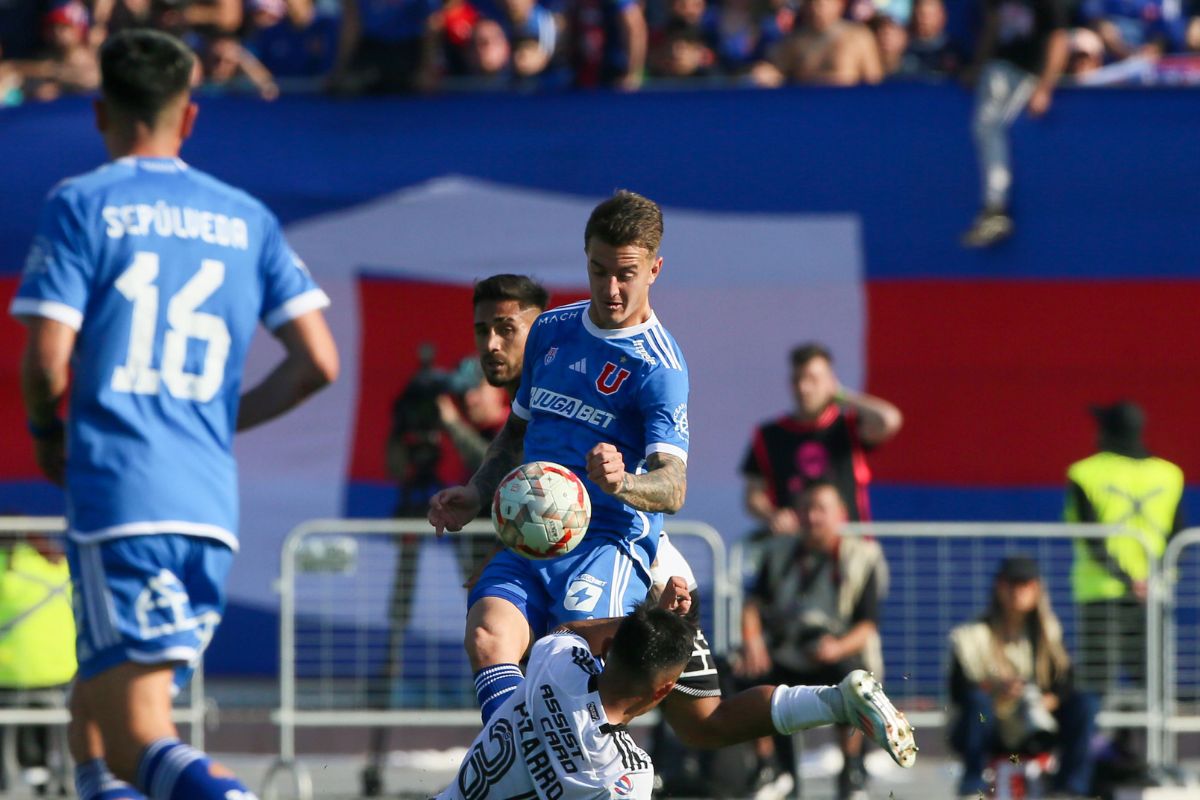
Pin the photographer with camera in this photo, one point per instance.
(1010, 683)
(812, 616)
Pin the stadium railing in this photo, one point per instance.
(191, 706)
(1179, 610)
(371, 626)
(941, 576)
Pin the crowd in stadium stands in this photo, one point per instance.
(48, 47)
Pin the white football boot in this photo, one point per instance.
(870, 710)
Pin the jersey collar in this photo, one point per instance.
(155, 164)
(616, 333)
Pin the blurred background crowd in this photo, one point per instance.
(48, 47)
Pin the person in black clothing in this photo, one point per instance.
(825, 437)
(1021, 54)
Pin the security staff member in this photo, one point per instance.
(1120, 485)
(37, 633)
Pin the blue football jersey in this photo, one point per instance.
(583, 385)
(164, 272)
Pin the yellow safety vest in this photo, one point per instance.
(1142, 494)
(37, 627)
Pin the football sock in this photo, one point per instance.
(493, 685)
(797, 708)
(170, 770)
(94, 781)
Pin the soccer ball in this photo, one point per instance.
(541, 510)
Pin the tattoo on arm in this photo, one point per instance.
(503, 455)
(662, 488)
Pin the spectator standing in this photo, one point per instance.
(1122, 484)
(1019, 58)
(1010, 683)
(813, 614)
(609, 42)
(825, 437)
(826, 48)
(930, 49)
(386, 46)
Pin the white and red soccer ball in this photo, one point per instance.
(541, 510)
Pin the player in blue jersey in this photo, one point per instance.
(506, 309)
(604, 392)
(142, 289)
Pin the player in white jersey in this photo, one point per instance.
(144, 285)
(561, 734)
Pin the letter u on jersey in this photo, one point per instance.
(610, 378)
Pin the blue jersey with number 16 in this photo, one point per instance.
(164, 272)
(583, 385)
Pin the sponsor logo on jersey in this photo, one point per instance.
(569, 407)
(584, 593)
(593, 712)
(639, 347)
(679, 416)
(550, 354)
(38, 260)
(611, 378)
(579, 366)
(559, 316)
(623, 785)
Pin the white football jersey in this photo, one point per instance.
(551, 738)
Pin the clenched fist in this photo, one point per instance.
(606, 467)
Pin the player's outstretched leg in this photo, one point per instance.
(869, 709)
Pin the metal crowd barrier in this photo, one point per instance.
(372, 615)
(190, 707)
(941, 576)
(1179, 618)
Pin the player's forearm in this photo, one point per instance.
(288, 385)
(504, 455)
(46, 369)
(42, 388)
(662, 488)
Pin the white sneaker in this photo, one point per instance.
(778, 789)
(870, 710)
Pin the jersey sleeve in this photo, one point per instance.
(58, 272)
(289, 290)
(663, 402)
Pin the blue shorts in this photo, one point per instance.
(599, 578)
(147, 599)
